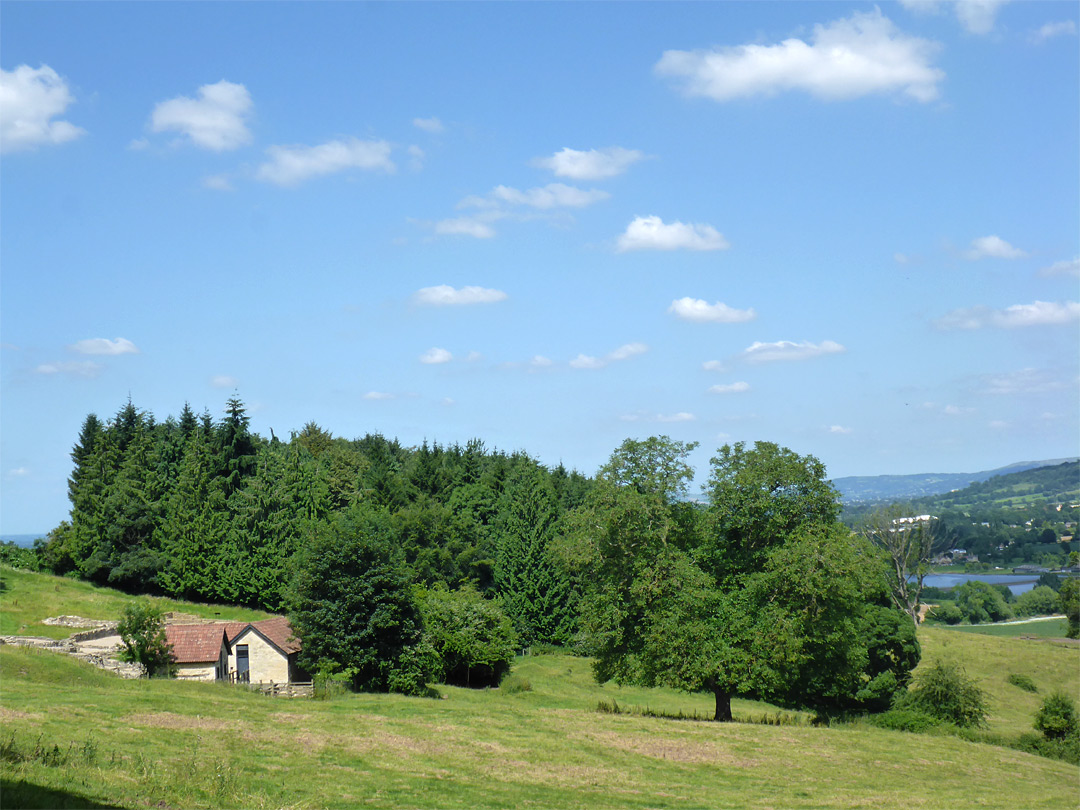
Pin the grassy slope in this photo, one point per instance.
(27, 598)
(204, 745)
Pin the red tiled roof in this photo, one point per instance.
(194, 643)
(277, 629)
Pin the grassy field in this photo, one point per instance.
(76, 736)
(27, 598)
(1051, 628)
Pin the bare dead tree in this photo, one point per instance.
(909, 541)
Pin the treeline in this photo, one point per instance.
(208, 510)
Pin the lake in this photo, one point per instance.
(1018, 583)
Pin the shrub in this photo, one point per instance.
(980, 602)
(515, 684)
(946, 612)
(472, 637)
(904, 719)
(944, 691)
(1070, 605)
(1024, 682)
(142, 631)
(1056, 718)
(1040, 601)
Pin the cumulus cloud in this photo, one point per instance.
(18, 472)
(105, 346)
(593, 164)
(652, 233)
(432, 125)
(713, 365)
(539, 361)
(446, 296)
(378, 395)
(217, 182)
(216, 120)
(839, 430)
(695, 309)
(857, 56)
(730, 388)
(789, 350)
(624, 352)
(435, 355)
(84, 368)
(30, 101)
(291, 165)
(553, 195)
(1065, 28)
(956, 410)
(992, 247)
(223, 381)
(1068, 267)
(1039, 313)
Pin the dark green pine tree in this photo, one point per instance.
(236, 446)
(536, 594)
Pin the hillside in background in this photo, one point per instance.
(859, 489)
(1056, 484)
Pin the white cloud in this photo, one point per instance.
(1067, 267)
(553, 195)
(730, 388)
(713, 365)
(1024, 381)
(789, 350)
(1051, 30)
(465, 226)
(30, 100)
(416, 157)
(435, 355)
(681, 416)
(624, 352)
(857, 56)
(444, 296)
(218, 182)
(223, 381)
(105, 346)
(432, 125)
(1039, 313)
(539, 361)
(695, 309)
(998, 424)
(85, 368)
(651, 233)
(594, 164)
(378, 395)
(18, 472)
(992, 247)
(978, 16)
(839, 430)
(216, 120)
(290, 165)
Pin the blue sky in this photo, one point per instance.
(851, 229)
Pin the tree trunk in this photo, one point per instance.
(723, 705)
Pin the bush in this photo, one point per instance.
(1056, 718)
(980, 602)
(944, 691)
(472, 637)
(515, 684)
(946, 612)
(904, 719)
(142, 631)
(1040, 601)
(1070, 605)
(1024, 682)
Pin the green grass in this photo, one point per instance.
(1051, 665)
(73, 735)
(1052, 628)
(27, 598)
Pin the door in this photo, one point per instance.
(243, 675)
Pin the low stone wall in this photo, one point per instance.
(90, 635)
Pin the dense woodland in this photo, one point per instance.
(210, 511)
(399, 565)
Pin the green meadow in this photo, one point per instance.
(75, 736)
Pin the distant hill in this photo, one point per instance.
(867, 489)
